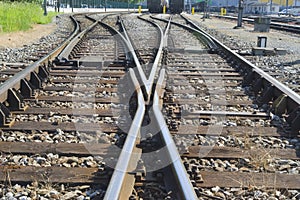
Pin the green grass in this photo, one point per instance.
(21, 16)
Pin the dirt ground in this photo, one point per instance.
(20, 38)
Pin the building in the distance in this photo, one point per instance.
(268, 6)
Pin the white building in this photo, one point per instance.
(256, 7)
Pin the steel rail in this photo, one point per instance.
(15, 81)
(117, 181)
(167, 32)
(274, 25)
(142, 75)
(129, 51)
(280, 86)
(204, 36)
(63, 56)
(125, 160)
(148, 83)
(182, 177)
(293, 102)
(154, 69)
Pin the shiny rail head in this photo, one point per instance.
(204, 37)
(119, 185)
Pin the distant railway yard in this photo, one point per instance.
(121, 105)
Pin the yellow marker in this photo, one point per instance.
(140, 9)
(164, 10)
(193, 10)
(224, 11)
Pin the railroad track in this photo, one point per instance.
(174, 116)
(276, 24)
(280, 66)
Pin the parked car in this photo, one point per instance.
(285, 12)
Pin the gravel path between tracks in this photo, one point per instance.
(245, 38)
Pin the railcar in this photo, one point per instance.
(173, 6)
(176, 6)
(154, 6)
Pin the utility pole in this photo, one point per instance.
(45, 7)
(71, 4)
(58, 5)
(240, 15)
(205, 15)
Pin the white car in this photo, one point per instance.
(285, 12)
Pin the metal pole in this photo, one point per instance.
(271, 5)
(105, 6)
(287, 5)
(208, 8)
(204, 9)
(71, 2)
(45, 7)
(240, 15)
(58, 5)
